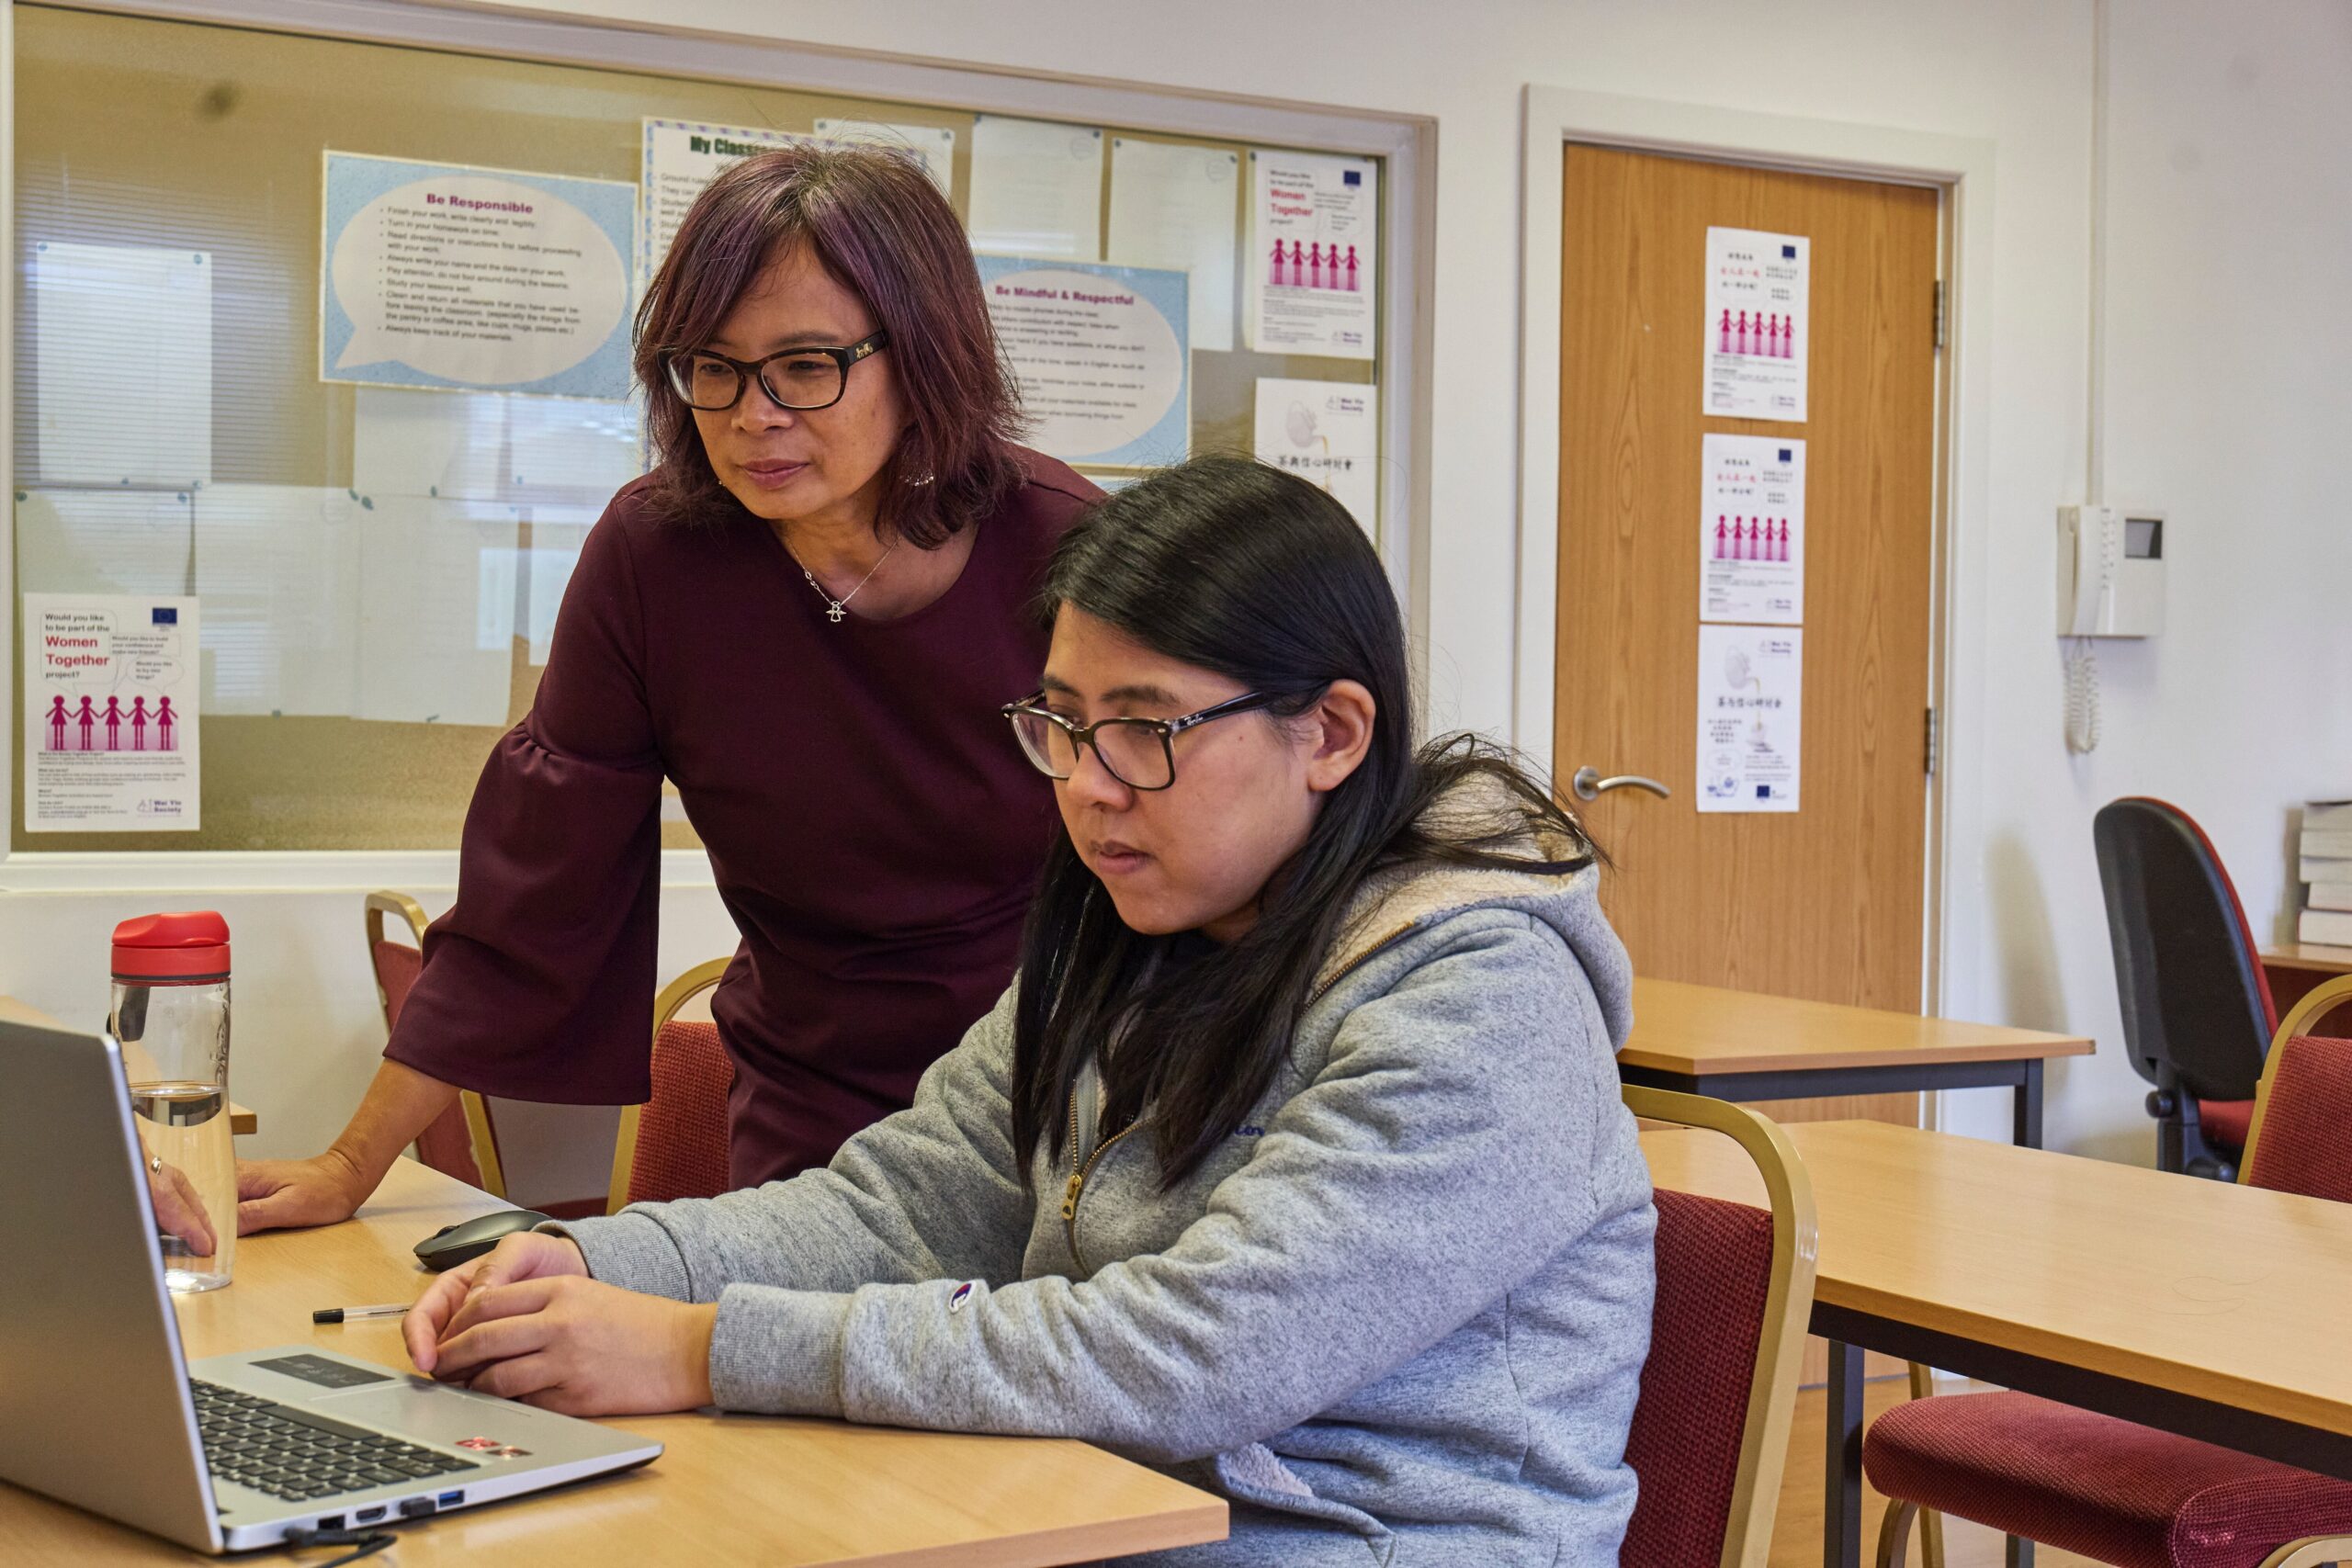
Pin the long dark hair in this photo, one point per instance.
(874, 221)
(1256, 574)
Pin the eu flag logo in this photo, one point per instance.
(1351, 177)
(1788, 253)
(164, 616)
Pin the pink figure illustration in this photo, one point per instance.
(1314, 266)
(1719, 535)
(1784, 538)
(1751, 337)
(1275, 277)
(114, 724)
(1722, 335)
(1351, 271)
(164, 724)
(1787, 330)
(57, 724)
(1739, 539)
(1297, 265)
(88, 719)
(138, 724)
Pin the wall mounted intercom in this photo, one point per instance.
(2110, 583)
(2110, 571)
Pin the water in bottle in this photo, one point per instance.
(169, 1014)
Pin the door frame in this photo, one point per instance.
(1960, 168)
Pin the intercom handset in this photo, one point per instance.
(2110, 583)
(2110, 571)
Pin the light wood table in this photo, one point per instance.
(1743, 1045)
(2206, 1309)
(729, 1489)
(241, 1121)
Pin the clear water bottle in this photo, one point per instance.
(169, 1014)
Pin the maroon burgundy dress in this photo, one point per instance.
(873, 827)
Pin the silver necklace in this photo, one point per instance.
(837, 608)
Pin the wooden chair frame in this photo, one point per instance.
(675, 996)
(1788, 1307)
(2311, 1552)
(479, 1133)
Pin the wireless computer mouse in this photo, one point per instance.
(453, 1244)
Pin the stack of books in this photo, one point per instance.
(2327, 873)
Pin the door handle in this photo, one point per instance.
(1589, 786)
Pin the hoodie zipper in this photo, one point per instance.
(1360, 959)
(1078, 1178)
(1076, 1186)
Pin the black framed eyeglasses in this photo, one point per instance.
(1139, 753)
(797, 378)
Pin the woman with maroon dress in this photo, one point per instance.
(807, 617)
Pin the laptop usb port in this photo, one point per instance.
(450, 1499)
(330, 1521)
(417, 1508)
(368, 1516)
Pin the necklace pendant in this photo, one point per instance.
(833, 611)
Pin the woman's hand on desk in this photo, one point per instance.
(285, 1193)
(179, 1208)
(526, 1323)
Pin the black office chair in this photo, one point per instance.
(2197, 1010)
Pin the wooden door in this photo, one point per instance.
(1825, 903)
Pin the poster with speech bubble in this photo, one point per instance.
(111, 737)
(436, 275)
(1102, 355)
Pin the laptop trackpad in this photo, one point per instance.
(427, 1412)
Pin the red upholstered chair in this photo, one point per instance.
(1735, 1291)
(2122, 1492)
(461, 1142)
(675, 1145)
(2197, 1007)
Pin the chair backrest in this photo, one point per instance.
(675, 1145)
(1735, 1292)
(2304, 1105)
(461, 1142)
(2195, 999)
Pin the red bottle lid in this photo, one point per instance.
(181, 948)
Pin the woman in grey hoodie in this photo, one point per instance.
(1292, 1163)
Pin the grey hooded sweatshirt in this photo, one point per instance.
(1398, 1317)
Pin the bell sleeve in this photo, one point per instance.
(539, 983)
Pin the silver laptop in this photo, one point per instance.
(98, 1409)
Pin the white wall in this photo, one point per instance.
(2229, 211)
(2229, 176)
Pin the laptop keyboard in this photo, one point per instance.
(293, 1454)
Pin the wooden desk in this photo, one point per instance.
(2295, 968)
(2210, 1310)
(729, 1489)
(1740, 1045)
(241, 1121)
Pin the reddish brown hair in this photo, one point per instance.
(874, 221)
